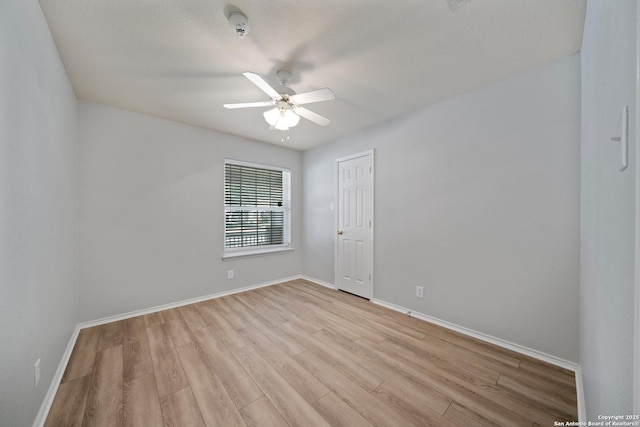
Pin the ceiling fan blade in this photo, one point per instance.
(310, 115)
(324, 94)
(264, 86)
(248, 104)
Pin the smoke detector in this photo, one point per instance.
(239, 24)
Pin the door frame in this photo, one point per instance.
(337, 208)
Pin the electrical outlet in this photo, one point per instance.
(36, 372)
(229, 274)
(419, 291)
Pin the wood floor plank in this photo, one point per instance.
(137, 356)
(395, 373)
(369, 407)
(180, 409)
(496, 353)
(300, 314)
(310, 293)
(167, 368)
(503, 397)
(268, 312)
(468, 343)
(286, 309)
(193, 319)
(83, 356)
(214, 402)
(177, 327)
(240, 386)
(271, 331)
(448, 362)
(546, 398)
(391, 329)
(547, 385)
(338, 413)
(442, 348)
(261, 413)
(220, 327)
(553, 373)
(412, 406)
(111, 335)
(336, 358)
(349, 327)
(338, 326)
(231, 311)
(417, 395)
(462, 417)
(304, 383)
(393, 368)
(141, 405)
(343, 322)
(294, 409)
(301, 354)
(381, 324)
(68, 406)
(104, 400)
(153, 318)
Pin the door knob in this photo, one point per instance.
(340, 233)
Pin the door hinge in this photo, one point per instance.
(369, 277)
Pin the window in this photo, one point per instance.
(257, 208)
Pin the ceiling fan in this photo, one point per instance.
(287, 104)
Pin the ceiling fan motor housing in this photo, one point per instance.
(285, 91)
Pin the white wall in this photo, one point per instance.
(38, 209)
(608, 208)
(477, 200)
(152, 212)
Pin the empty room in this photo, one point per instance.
(332, 213)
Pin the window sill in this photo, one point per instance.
(254, 253)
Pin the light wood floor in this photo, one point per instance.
(299, 354)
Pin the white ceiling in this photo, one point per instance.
(180, 60)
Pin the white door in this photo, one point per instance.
(354, 265)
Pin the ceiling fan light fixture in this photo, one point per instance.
(281, 118)
(272, 116)
(291, 118)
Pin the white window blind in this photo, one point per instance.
(257, 206)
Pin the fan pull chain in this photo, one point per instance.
(285, 138)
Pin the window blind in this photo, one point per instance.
(256, 206)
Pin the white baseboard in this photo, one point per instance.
(571, 366)
(55, 382)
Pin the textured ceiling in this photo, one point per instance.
(180, 60)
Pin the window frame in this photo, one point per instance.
(245, 251)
